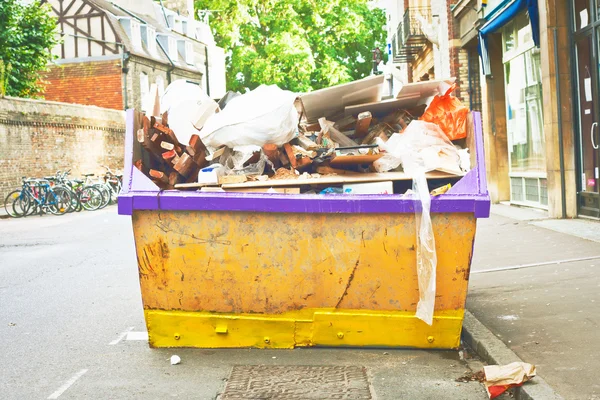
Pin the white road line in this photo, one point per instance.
(67, 385)
(540, 264)
(137, 336)
(121, 336)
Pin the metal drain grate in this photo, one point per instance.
(297, 382)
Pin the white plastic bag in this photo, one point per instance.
(265, 115)
(426, 255)
(421, 144)
(188, 107)
(234, 160)
(421, 148)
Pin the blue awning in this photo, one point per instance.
(500, 19)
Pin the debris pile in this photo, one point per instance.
(343, 139)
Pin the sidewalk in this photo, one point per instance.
(537, 287)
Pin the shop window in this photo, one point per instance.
(583, 15)
(524, 118)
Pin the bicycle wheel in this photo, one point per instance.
(105, 195)
(9, 204)
(74, 206)
(24, 205)
(59, 201)
(91, 198)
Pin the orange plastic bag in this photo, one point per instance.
(449, 114)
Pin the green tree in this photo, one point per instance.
(300, 45)
(27, 33)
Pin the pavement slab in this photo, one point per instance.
(547, 313)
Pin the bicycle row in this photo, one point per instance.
(59, 195)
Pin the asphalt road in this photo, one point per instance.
(69, 292)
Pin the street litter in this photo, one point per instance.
(175, 360)
(500, 378)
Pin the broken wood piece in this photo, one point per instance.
(165, 118)
(167, 145)
(377, 130)
(325, 170)
(169, 155)
(340, 138)
(304, 153)
(272, 153)
(159, 176)
(345, 123)
(196, 144)
(283, 158)
(351, 160)
(184, 165)
(139, 165)
(290, 154)
(362, 124)
(306, 143)
(311, 127)
(226, 179)
(215, 156)
(175, 178)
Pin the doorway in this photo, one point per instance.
(586, 45)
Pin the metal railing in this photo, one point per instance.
(409, 38)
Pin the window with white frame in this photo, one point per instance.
(173, 49)
(136, 36)
(189, 53)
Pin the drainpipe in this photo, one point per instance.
(125, 70)
(172, 67)
(164, 14)
(206, 64)
(561, 150)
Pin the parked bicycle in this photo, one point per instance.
(59, 194)
(37, 196)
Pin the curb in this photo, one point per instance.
(493, 351)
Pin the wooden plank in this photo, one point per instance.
(287, 190)
(360, 159)
(335, 179)
(340, 138)
(376, 131)
(227, 179)
(345, 123)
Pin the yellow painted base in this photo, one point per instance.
(307, 327)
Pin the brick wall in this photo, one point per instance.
(96, 83)
(37, 138)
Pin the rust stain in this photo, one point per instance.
(350, 279)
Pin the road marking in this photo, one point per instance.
(67, 385)
(540, 264)
(137, 336)
(121, 336)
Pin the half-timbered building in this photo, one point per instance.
(112, 52)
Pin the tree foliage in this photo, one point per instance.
(299, 45)
(27, 33)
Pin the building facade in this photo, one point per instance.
(112, 53)
(532, 68)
